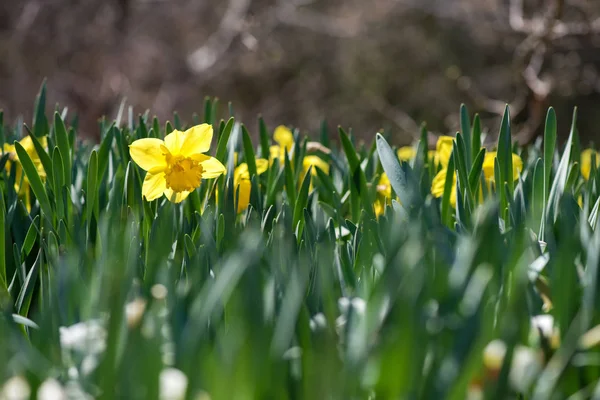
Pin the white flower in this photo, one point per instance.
(172, 384)
(51, 389)
(87, 336)
(16, 388)
(526, 365)
(134, 312)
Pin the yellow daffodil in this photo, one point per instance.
(314, 162)
(242, 183)
(406, 153)
(439, 181)
(176, 165)
(384, 194)
(438, 184)
(586, 162)
(285, 141)
(443, 150)
(21, 181)
(489, 161)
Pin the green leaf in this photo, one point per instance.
(223, 140)
(475, 172)
(3, 228)
(357, 174)
(399, 177)
(290, 182)
(476, 136)
(465, 129)
(62, 141)
(505, 152)
(34, 179)
(208, 117)
(43, 155)
(560, 179)
(92, 186)
(58, 181)
(446, 212)
(248, 151)
(40, 122)
(549, 148)
(265, 138)
(26, 292)
(301, 204)
(30, 237)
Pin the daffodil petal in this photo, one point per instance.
(148, 155)
(176, 197)
(438, 182)
(212, 168)
(154, 186)
(314, 161)
(262, 165)
(174, 142)
(196, 140)
(284, 137)
(243, 187)
(406, 153)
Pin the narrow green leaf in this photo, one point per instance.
(248, 151)
(26, 292)
(40, 122)
(290, 182)
(62, 141)
(505, 152)
(92, 186)
(301, 204)
(476, 136)
(42, 154)
(3, 228)
(223, 140)
(465, 129)
(265, 139)
(30, 237)
(34, 179)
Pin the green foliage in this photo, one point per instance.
(331, 284)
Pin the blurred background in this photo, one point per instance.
(362, 64)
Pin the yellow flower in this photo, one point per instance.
(21, 181)
(242, 183)
(489, 162)
(443, 150)
(384, 194)
(439, 181)
(314, 161)
(586, 162)
(406, 153)
(285, 141)
(176, 165)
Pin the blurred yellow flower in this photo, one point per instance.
(314, 161)
(285, 141)
(489, 161)
(384, 194)
(21, 181)
(176, 165)
(406, 153)
(443, 150)
(439, 181)
(242, 183)
(586, 162)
